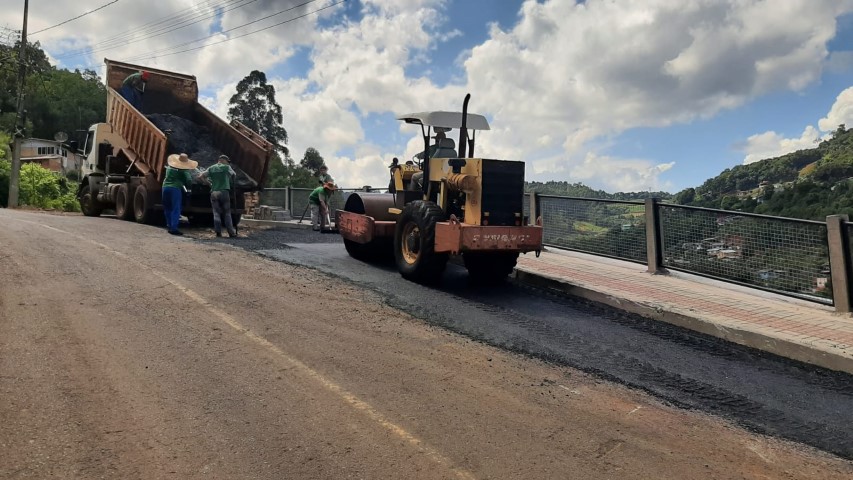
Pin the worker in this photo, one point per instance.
(219, 178)
(319, 202)
(324, 176)
(175, 183)
(133, 87)
(442, 148)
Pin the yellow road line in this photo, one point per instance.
(348, 397)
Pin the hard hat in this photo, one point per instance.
(145, 75)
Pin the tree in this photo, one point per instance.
(5, 171)
(37, 66)
(312, 161)
(254, 105)
(686, 196)
(66, 101)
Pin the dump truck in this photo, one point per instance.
(442, 204)
(126, 156)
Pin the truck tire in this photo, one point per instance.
(414, 242)
(489, 267)
(89, 205)
(143, 206)
(124, 203)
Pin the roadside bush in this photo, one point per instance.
(67, 202)
(39, 187)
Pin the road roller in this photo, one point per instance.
(444, 203)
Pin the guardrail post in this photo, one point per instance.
(654, 243)
(288, 201)
(839, 261)
(534, 208)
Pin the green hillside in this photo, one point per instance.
(809, 184)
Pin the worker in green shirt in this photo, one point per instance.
(319, 202)
(174, 183)
(219, 177)
(133, 87)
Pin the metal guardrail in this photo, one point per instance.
(609, 228)
(782, 255)
(806, 259)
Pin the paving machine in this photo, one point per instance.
(444, 203)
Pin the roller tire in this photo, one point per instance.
(414, 242)
(489, 268)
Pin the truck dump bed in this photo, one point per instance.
(177, 94)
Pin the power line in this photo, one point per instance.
(177, 23)
(237, 28)
(146, 57)
(246, 34)
(75, 18)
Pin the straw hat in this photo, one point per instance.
(330, 186)
(181, 162)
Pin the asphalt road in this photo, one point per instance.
(759, 391)
(129, 353)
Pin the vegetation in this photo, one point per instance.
(255, 106)
(41, 188)
(567, 189)
(807, 184)
(57, 99)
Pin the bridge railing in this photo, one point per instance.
(806, 259)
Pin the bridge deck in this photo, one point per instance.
(785, 326)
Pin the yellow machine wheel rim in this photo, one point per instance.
(411, 243)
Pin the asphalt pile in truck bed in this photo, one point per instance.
(185, 136)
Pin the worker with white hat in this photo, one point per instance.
(176, 180)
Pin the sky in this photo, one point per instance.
(621, 95)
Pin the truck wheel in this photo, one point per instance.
(489, 267)
(414, 242)
(124, 204)
(143, 208)
(89, 204)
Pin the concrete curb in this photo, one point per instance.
(760, 341)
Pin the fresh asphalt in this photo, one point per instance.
(754, 389)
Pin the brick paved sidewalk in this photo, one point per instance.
(804, 331)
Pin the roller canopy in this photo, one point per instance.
(446, 120)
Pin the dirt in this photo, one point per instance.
(129, 353)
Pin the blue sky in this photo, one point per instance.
(620, 95)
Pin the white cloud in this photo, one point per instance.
(580, 72)
(841, 112)
(771, 144)
(556, 85)
(620, 174)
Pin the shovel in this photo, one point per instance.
(329, 228)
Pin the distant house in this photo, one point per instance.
(50, 154)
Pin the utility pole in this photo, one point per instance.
(19, 115)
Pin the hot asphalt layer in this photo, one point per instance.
(759, 391)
